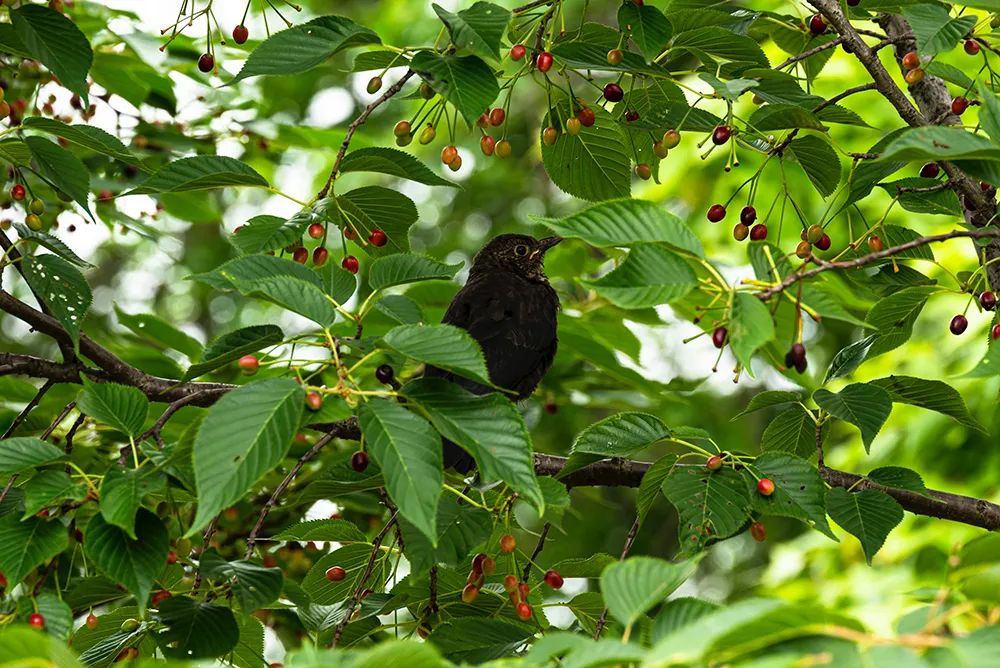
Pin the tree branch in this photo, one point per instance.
(376, 544)
(625, 550)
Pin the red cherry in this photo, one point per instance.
(470, 593)
(930, 170)
(171, 557)
(489, 566)
(335, 573)
(18, 192)
(911, 60)
(523, 590)
(758, 232)
(351, 264)
(507, 544)
(631, 116)
(320, 256)
(159, 597)
(497, 116)
(765, 486)
(517, 52)
(37, 620)
(716, 212)
(553, 579)
(544, 61)
(988, 300)
(758, 532)
(378, 238)
(721, 134)
(240, 34)
(643, 171)
(524, 611)
(719, 337)
(817, 25)
(671, 138)
(314, 401)
(875, 243)
(206, 62)
(448, 154)
(316, 230)
(92, 621)
(549, 136)
(713, 463)
(971, 47)
(959, 105)
(995, 333)
(913, 77)
(300, 255)
(249, 365)
(958, 324)
(487, 144)
(613, 93)
(359, 461)
(615, 56)
(586, 116)
(510, 583)
(824, 242)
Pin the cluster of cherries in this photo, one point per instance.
(765, 487)
(988, 301)
(35, 207)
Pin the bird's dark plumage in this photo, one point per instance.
(508, 306)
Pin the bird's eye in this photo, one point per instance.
(520, 250)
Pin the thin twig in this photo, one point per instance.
(538, 548)
(810, 52)
(943, 185)
(168, 413)
(206, 536)
(27, 409)
(625, 549)
(819, 445)
(530, 6)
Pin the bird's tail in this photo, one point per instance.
(456, 457)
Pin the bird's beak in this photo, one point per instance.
(548, 242)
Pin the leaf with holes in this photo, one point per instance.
(120, 406)
(56, 41)
(593, 165)
(391, 161)
(404, 268)
(488, 426)
(233, 345)
(466, 82)
(625, 222)
(478, 29)
(26, 544)
(22, 453)
(866, 406)
(87, 136)
(132, 563)
(933, 395)
(750, 327)
(633, 586)
(799, 490)
(649, 276)
(62, 288)
(243, 436)
(711, 504)
(443, 346)
(195, 629)
(304, 46)
(408, 450)
(52, 243)
(203, 172)
(869, 515)
(63, 169)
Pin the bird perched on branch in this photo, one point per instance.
(508, 306)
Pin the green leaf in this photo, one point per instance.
(750, 327)
(253, 585)
(850, 358)
(233, 345)
(443, 346)
(100, 646)
(869, 515)
(621, 435)
(939, 143)
(819, 162)
(898, 478)
(269, 233)
(338, 283)
(408, 450)
(465, 81)
(678, 613)
(647, 26)
(58, 616)
(477, 29)
(593, 165)
(652, 481)
(353, 559)
(87, 136)
(792, 430)
(196, 630)
(893, 317)
(649, 276)
(15, 151)
(48, 488)
(62, 287)
(250, 647)
(688, 644)
(488, 426)
(711, 504)
(378, 59)
(120, 406)
(767, 399)
(461, 528)
(633, 586)
(391, 161)
(11, 43)
(933, 395)
(371, 207)
(783, 117)
(865, 406)
(243, 436)
(54, 244)
(24, 545)
(121, 496)
(798, 490)
(304, 46)
(404, 268)
(988, 366)
(400, 309)
(942, 202)
(475, 640)
(340, 531)
(158, 331)
(24, 452)
(202, 172)
(293, 294)
(935, 29)
(894, 235)
(131, 563)
(989, 113)
(626, 222)
(54, 39)
(720, 43)
(61, 168)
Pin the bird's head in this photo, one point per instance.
(516, 253)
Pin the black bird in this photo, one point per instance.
(508, 306)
